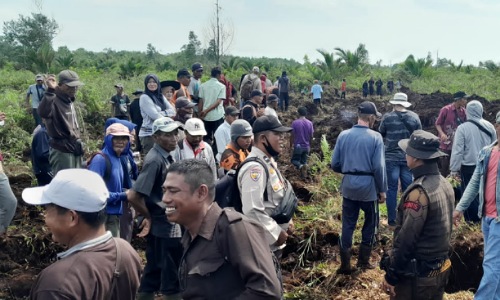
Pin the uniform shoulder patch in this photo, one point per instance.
(412, 200)
(255, 173)
(416, 206)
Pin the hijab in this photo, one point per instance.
(156, 95)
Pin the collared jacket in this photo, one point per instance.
(477, 183)
(227, 259)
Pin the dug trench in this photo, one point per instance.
(28, 248)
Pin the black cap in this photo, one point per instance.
(196, 66)
(182, 102)
(368, 108)
(459, 95)
(422, 145)
(272, 98)
(138, 92)
(175, 84)
(183, 72)
(231, 111)
(271, 123)
(255, 93)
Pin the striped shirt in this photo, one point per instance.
(393, 130)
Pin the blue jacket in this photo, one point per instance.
(115, 183)
(360, 151)
(40, 151)
(477, 183)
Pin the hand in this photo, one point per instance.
(291, 228)
(202, 114)
(51, 82)
(443, 137)
(388, 289)
(260, 112)
(282, 238)
(457, 217)
(382, 197)
(145, 226)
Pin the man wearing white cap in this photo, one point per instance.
(96, 265)
(193, 146)
(397, 125)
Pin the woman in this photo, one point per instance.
(153, 106)
(168, 88)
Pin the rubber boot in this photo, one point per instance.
(364, 258)
(345, 262)
(145, 296)
(172, 297)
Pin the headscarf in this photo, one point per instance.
(156, 96)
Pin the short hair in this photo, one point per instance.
(196, 172)
(364, 117)
(93, 219)
(216, 71)
(302, 111)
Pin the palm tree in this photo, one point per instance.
(329, 66)
(416, 67)
(354, 60)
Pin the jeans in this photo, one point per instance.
(489, 288)
(8, 203)
(350, 214)
(300, 155)
(396, 170)
(36, 116)
(284, 99)
(470, 214)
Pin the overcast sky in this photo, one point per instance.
(390, 29)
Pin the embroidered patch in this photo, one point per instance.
(412, 205)
(255, 173)
(276, 187)
(272, 171)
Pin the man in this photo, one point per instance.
(61, 120)
(193, 146)
(418, 265)
(379, 84)
(96, 265)
(40, 155)
(231, 92)
(120, 103)
(284, 89)
(225, 253)
(397, 125)
(371, 82)
(184, 78)
(136, 117)
(483, 184)
(36, 92)
(8, 201)
(249, 83)
(272, 106)
(251, 109)
(300, 141)
(237, 149)
(343, 88)
(108, 165)
(210, 108)
(470, 137)
(268, 81)
(195, 83)
(163, 248)
(263, 191)
(316, 91)
(359, 155)
(184, 111)
(223, 133)
(450, 116)
(390, 86)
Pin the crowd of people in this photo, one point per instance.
(192, 135)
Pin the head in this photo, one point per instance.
(74, 203)
(197, 70)
(137, 93)
(168, 92)
(195, 131)
(283, 74)
(165, 131)
(168, 88)
(231, 114)
(302, 111)
(185, 108)
(39, 79)
(151, 83)
(117, 138)
(256, 70)
(316, 81)
(119, 88)
(68, 83)
(269, 135)
(421, 148)
(216, 73)
(474, 110)
(188, 192)
(368, 113)
(184, 77)
(241, 134)
(460, 99)
(256, 96)
(272, 101)
(497, 124)
(400, 99)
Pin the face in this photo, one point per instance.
(119, 90)
(152, 85)
(411, 161)
(166, 140)
(274, 104)
(59, 224)
(230, 119)
(462, 102)
(183, 206)
(194, 140)
(39, 82)
(185, 112)
(198, 73)
(244, 142)
(275, 140)
(68, 90)
(168, 92)
(184, 80)
(258, 99)
(119, 144)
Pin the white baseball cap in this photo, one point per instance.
(165, 124)
(75, 189)
(195, 126)
(401, 99)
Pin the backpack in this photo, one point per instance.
(227, 193)
(247, 87)
(107, 172)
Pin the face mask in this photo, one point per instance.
(269, 149)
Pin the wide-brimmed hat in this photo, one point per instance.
(422, 145)
(175, 84)
(400, 99)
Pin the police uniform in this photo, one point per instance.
(252, 182)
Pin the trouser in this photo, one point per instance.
(43, 178)
(8, 202)
(163, 256)
(61, 160)
(422, 288)
(300, 156)
(444, 163)
(138, 145)
(127, 222)
(317, 101)
(147, 143)
(396, 171)
(350, 214)
(276, 256)
(283, 103)
(470, 214)
(113, 225)
(210, 128)
(36, 116)
(342, 95)
(489, 288)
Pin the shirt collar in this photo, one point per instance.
(207, 226)
(162, 151)
(85, 245)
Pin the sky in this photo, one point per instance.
(390, 29)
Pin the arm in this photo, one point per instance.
(379, 171)
(472, 189)
(98, 165)
(457, 152)
(336, 164)
(28, 94)
(219, 142)
(439, 122)
(137, 201)
(148, 107)
(143, 186)
(381, 128)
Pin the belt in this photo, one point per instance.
(442, 267)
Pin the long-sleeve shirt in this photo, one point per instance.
(150, 112)
(360, 151)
